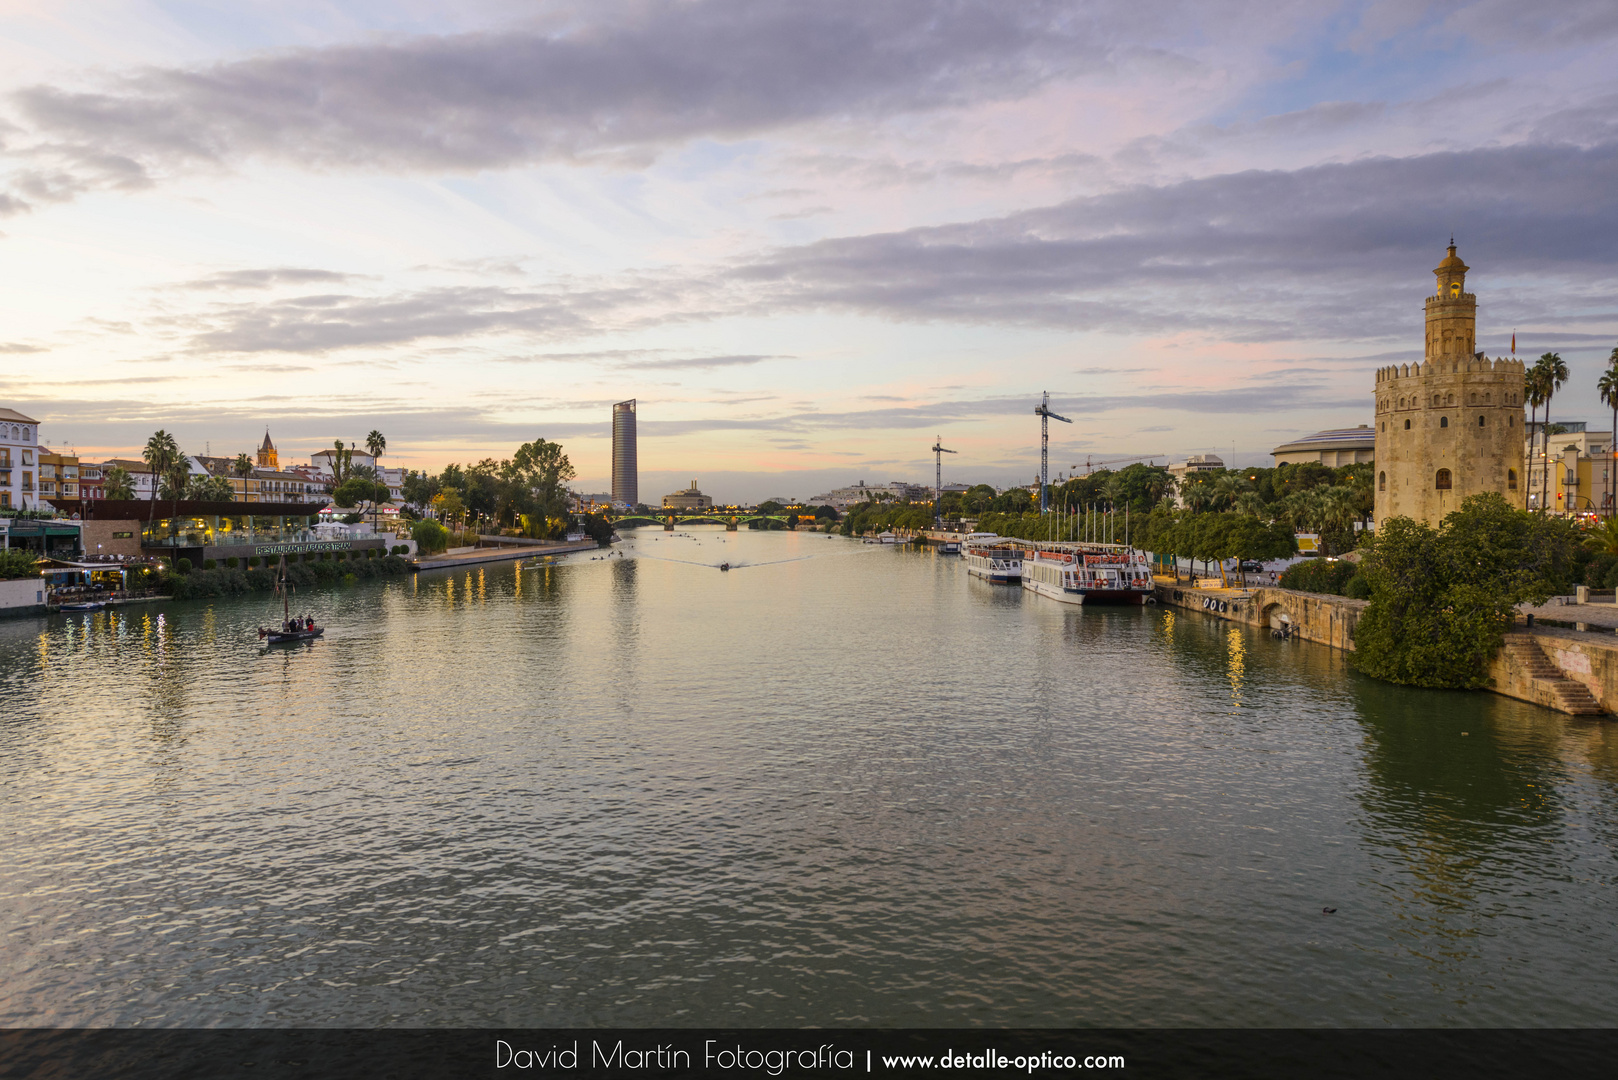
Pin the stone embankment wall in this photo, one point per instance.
(1571, 672)
(1328, 620)
(1565, 670)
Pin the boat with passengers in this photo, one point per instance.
(992, 558)
(1081, 573)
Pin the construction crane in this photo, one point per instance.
(1043, 411)
(938, 475)
(1090, 466)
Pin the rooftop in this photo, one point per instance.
(1359, 438)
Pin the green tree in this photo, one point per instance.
(1554, 375)
(203, 488)
(1441, 599)
(376, 442)
(1607, 386)
(429, 536)
(160, 454)
(118, 484)
(18, 563)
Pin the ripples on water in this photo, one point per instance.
(848, 787)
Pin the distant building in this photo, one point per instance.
(19, 442)
(625, 466)
(1581, 464)
(689, 499)
(58, 476)
(267, 456)
(895, 490)
(1336, 448)
(1450, 426)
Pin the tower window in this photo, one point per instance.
(1407, 425)
(1384, 425)
(1382, 481)
(1442, 482)
(1480, 421)
(1511, 479)
(1443, 421)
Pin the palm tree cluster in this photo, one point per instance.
(1540, 384)
(1607, 387)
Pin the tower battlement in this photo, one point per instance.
(1449, 425)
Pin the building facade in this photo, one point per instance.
(19, 464)
(1336, 448)
(1450, 426)
(689, 499)
(1580, 468)
(625, 466)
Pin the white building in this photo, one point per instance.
(19, 461)
(895, 490)
(1194, 464)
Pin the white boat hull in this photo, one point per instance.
(1084, 596)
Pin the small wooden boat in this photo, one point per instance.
(724, 566)
(290, 629)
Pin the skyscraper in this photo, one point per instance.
(625, 470)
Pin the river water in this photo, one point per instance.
(838, 785)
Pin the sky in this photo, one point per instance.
(809, 239)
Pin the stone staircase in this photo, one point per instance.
(1565, 694)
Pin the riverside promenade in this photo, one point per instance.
(501, 549)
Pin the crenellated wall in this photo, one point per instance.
(1451, 425)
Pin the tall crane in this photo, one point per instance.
(1043, 411)
(938, 474)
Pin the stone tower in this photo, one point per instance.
(267, 457)
(1450, 426)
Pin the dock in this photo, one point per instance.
(510, 549)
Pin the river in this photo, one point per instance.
(839, 785)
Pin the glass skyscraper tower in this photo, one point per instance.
(625, 470)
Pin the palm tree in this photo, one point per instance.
(375, 442)
(118, 484)
(1534, 394)
(1607, 385)
(1555, 374)
(242, 466)
(160, 454)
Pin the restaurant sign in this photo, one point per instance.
(293, 549)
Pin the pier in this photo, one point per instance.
(501, 549)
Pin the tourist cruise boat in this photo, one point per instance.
(991, 558)
(1086, 573)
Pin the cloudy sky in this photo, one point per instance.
(807, 237)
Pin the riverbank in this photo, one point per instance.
(1570, 671)
(527, 550)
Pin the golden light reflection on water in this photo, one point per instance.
(1236, 664)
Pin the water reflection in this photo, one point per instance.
(857, 787)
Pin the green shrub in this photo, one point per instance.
(429, 536)
(210, 564)
(1357, 588)
(252, 561)
(17, 563)
(182, 566)
(233, 562)
(1319, 576)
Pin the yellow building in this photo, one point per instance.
(1450, 426)
(1580, 469)
(58, 476)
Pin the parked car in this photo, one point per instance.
(1252, 566)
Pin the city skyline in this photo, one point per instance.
(1185, 224)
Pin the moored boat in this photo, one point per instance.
(991, 558)
(1086, 573)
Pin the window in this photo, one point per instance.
(1443, 421)
(1510, 422)
(1384, 425)
(1407, 425)
(1382, 481)
(1442, 482)
(1480, 421)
